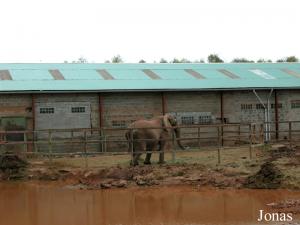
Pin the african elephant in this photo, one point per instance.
(156, 137)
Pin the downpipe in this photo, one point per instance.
(267, 125)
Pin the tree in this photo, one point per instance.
(162, 60)
(214, 58)
(199, 61)
(242, 60)
(289, 59)
(81, 59)
(117, 59)
(264, 61)
(142, 61)
(175, 60)
(183, 60)
(107, 61)
(292, 59)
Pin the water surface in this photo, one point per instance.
(36, 204)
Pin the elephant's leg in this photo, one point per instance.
(140, 147)
(162, 146)
(148, 155)
(151, 147)
(136, 159)
(147, 159)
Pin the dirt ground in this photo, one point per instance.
(270, 167)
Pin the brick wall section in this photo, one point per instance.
(198, 102)
(286, 97)
(287, 113)
(194, 102)
(232, 106)
(130, 106)
(234, 113)
(133, 106)
(16, 106)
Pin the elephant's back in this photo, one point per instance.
(145, 124)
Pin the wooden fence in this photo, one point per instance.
(221, 135)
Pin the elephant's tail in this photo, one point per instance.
(127, 135)
(128, 138)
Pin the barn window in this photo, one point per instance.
(279, 105)
(118, 123)
(295, 104)
(259, 106)
(47, 110)
(187, 120)
(78, 109)
(205, 119)
(246, 106)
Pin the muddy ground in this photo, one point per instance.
(271, 167)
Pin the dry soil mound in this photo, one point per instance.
(12, 166)
(268, 177)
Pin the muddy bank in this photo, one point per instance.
(120, 177)
(287, 206)
(143, 176)
(158, 175)
(270, 172)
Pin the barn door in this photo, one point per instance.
(14, 124)
(63, 115)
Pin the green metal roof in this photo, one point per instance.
(133, 77)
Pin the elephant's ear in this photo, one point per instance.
(166, 123)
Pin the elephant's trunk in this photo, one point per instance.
(178, 135)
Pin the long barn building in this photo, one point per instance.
(67, 96)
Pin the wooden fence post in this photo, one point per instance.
(239, 133)
(254, 134)
(25, 142)
(85, 150)
(102, 140)
(104, 143)
(219, 145)
(250, 140)
(101, 143)
(2, 140)
(131, 146)
(261, 133)
(199, 138)
(72, 139)
(290, 133)
(173, 147)
(34, 136)
(50, 145)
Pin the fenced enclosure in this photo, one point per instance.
(86, 144)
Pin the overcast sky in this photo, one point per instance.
(59, 30)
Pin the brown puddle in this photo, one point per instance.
(33, 204)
